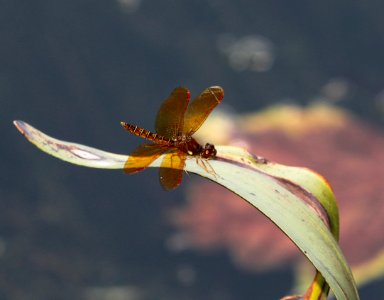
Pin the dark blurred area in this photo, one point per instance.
(76, 68)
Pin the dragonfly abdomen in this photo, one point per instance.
(146, 134)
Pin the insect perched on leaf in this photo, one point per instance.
(175, 124)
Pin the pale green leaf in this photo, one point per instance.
(297, 200)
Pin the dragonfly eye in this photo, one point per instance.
(209, 151)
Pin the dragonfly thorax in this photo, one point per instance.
(192, 147)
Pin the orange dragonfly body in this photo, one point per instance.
(175, 124)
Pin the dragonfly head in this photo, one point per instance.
(209, 151)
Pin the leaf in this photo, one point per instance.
(297, 200)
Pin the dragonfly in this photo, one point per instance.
(175, 124)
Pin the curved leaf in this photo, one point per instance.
(297, 200)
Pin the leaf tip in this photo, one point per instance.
(20, 125)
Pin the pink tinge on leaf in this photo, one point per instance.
(345, 150)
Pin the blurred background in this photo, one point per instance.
(76, 68)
